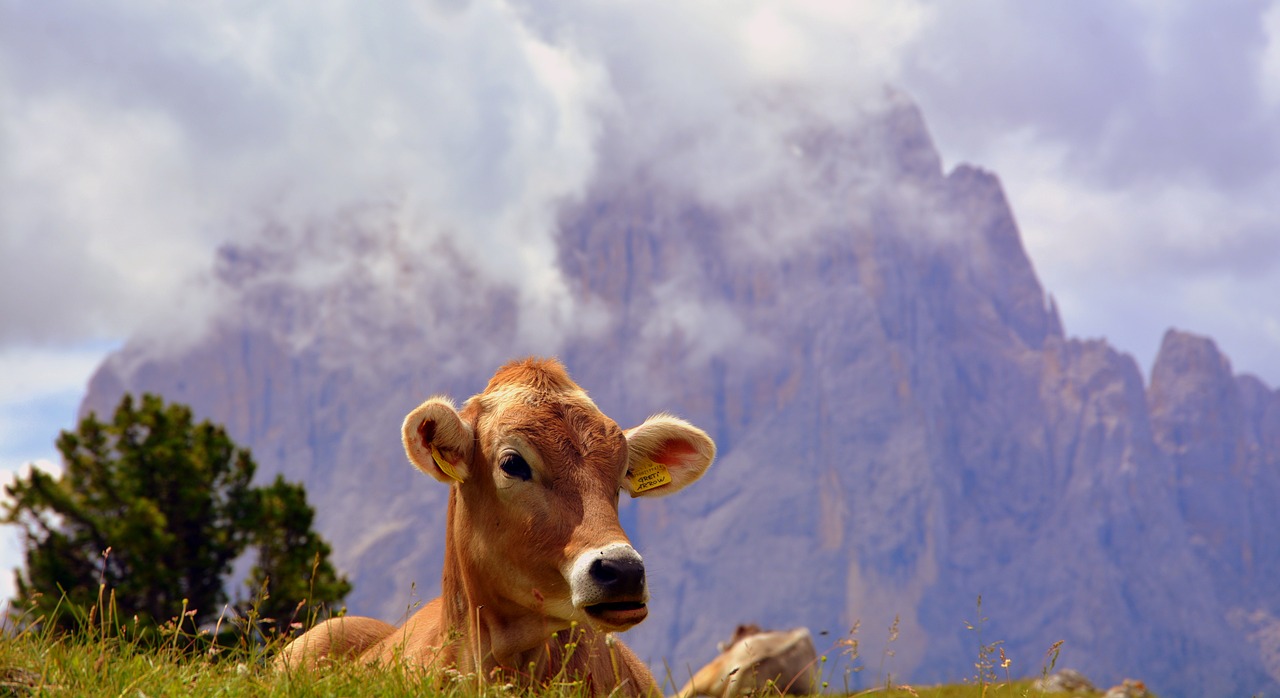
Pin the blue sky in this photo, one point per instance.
(1138, 142)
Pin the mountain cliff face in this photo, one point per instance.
(1222, 435)
(903, 424)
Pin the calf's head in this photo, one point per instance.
(537, 471)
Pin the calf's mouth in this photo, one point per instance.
(617, 615)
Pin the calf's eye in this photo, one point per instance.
(514, 466)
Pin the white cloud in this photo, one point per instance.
(132, 153)
(11, 543)
(1139, 149)
(39, 394)
(835, 44)
(1127, 263)
(1137, 140)
(40, 391)
(98, 217)
(1269, 65)
(30, 374)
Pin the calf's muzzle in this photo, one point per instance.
(608, 585)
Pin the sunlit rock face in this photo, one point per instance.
(903, 424)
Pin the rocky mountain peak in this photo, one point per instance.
(1220, 432)
(902, 423)
(1193, 394)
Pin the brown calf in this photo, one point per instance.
(537, 569)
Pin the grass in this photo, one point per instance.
(41, 663)
(1005, 690)
(38, 663)
(110, 660)
(114, 659)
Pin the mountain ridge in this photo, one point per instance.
(903, 423)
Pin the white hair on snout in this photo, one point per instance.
(586, 591)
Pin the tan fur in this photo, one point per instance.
(506, 610)
(758, 662)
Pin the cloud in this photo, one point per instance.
(40, 392)
(1128, 263)
(1138, 143)
(38, 389)
(682, 74)
(1269, 69)
(146, 136)
(12, 546)
(1147, 91)
(1137, 140)
(140, 138)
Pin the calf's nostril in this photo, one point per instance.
(603, 572)
(622, 576)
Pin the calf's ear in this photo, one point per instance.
(664, 454)
(437, 441)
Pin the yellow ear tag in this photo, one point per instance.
(444, 464)
(648, 475)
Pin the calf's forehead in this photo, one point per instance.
(565, 426)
